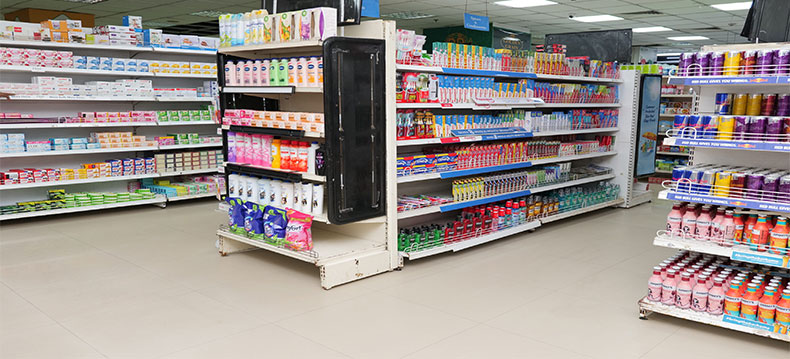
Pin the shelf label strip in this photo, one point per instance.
(755, 258)
(501, 197)
(747, 323)
(474, 171)
(746, 145)
(732, 202)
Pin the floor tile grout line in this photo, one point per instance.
(535, 339)
(311, 340)
(477, 324)
(57, 322)
(213, 340)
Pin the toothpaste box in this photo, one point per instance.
(190, 42)
(208, 43)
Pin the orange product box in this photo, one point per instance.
(138, 139)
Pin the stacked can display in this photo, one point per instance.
(763, 62)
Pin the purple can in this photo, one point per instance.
(740, 127)
(717, 63)
(785, 130)
(784, 189)
(773, 128)
(771, 187)
(765, 59)
(686, 59)
(754, 184)
(756, 128)
(782, 61)
(783, 105)
(702, 61)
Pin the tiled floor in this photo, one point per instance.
(148, 283)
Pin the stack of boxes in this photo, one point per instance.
(305, 121)
(121, 140)
(63, 87)
(183, 115)
(125, 116)
(62, 31)
(37, 58)
(182, 67)
(118, 35)
(186, 161)
(12, 142)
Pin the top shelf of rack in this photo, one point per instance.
(729, 80)
(510, 74)
(252, 51)
(69, 45)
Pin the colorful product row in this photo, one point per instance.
(734, 182)
(759, 233)
(305, 121)
(719, 286)
(259, 27)
(303, 197)
(189, 186)
(770, 62)
(299, 72)
(270, 152)
(733, 128)
(478, 187)
(286, 228)
(58, 198)
(741, 104)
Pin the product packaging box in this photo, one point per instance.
(190, 42)
(135, 22)
(171, 41)
(152, 37)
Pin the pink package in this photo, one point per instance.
(266, 153)
(256, 157)
(242, 146)
(298, 235)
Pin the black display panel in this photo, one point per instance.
(613, 45)
(355, 122)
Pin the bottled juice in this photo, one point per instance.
(702, 230)
(674, 219)
(669, 288)
(683, 296)
(689, 222)
(747, 228)
(732, 300)
(760, 234)
(716, 297)
(779, 236)
(783, 312)
(727, 230)
(715, 226)
(750, 301)
(766, 309)
(654, 285)
(699, 297)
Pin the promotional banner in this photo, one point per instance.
(647, 134)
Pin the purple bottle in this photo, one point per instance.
(764, 62)
(782, 61)
(716, 63)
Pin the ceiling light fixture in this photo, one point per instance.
(687, 38)
(733, 6)
(524, 3)
(407, 15)
(208, 13)
(651, 29)
(596, 18)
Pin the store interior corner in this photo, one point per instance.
(395, 179)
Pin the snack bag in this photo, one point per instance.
(298, 235)
(274, 225)
(253, 221)
(236, 215)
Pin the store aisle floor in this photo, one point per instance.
(148, 283)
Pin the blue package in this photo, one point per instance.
(275, 223)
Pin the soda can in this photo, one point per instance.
(768, 105)
(737, 181)
(725, 127)
(693, 127)
(740, 127)
(706, 182)
(723, 181)
(711, 127)
(677, 173)
(680, 122)
(739, 101)
(771, 187)
(723, 103)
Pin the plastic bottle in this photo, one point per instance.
(766, 309)
(654, 284)
(311, 157)
(689, 222)
(716, 297)
(684, 292)
(699, 297)
(702, 230)
(748, 225)
(231, 75)
(727, 230)
(760, 234)
(669, 288)
(285, 155)
(275, 153)
(779, 236)
(264, 74)
(732, 299)
(737, 237)
(715, 226)
(783, 311)
(750, 301)
(318, 199)
(674, 219)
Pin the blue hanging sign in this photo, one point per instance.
(370, 8)
(475, 22)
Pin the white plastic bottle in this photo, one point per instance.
(296, 201)
(286, 194)
(318, 200)
(275, 193)
(307, 198)
(230, 74)
(311, 157)
(265, 67)
(263, 192)
(252, 189)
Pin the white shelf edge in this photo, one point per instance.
(76, 71)
(472, 106)
(195, 145)
(192, 196)
(672, 153)
(157, 200)
(305, 175)
(76, 152)
(711, 248)
(34, 125)
(466, 139)
(472, 242)
(270, 46)
(564, 215)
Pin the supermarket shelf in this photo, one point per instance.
(69, 45)
(492, 73)
(730, 145)
(271, 89)
(184, 99)
(76, 152)
(724, 201)
(723, 321)
(75, 71)
(739, 253)
(730, 80)
(168, 50)
(272, 172)
(418, 68)
(578, 105)
(677, 95)
(326, 246)
(104, 179)
(187, 123)
(458, 246)
(192, 196)
(289, 47)
(193, 145)
(272, 131)
(461, 139)
(500, 197)
(560, 216)
(489, 169)
(114, 99)
(472, 106)
(578, 78)
(34, 125)
(158, 200)
(673, 153)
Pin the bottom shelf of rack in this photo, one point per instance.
(723, 321)
(157, 200)
(192, 196)
(327, 245)
(579, 211)
(457, 246)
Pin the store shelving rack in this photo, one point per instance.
(691, 97)
(49, 112)
(742, 153)
(342, 252)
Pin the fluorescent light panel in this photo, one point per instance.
(596, 18)
(651, 29)
(687, 38)
(525, 3)
(733, 6)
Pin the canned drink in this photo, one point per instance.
(706, 182)
(732, 61)
(737, 182)
(711, 127)
(754, 104)
(693, 127)
(739, 101)
(680, 122)
(723, 103)
(725, 127)
(754, 184)
(723, 181)
(768, 105)
(783, 194)
(757, 127)
(771, 187)
(740, 127)
(677, 173)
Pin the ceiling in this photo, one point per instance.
(685, 17)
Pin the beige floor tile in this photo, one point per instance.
(38, 247)
(270, 341)
(49, 341)
(153, 327)
(376, 326)
(486, 342)
(577, 323)
(17, 314)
